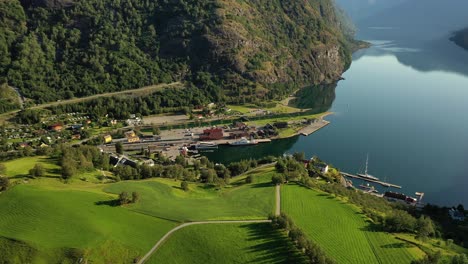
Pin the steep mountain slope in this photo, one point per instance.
(232, 50)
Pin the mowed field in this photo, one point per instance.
(341, 230)
(165, 199)
(52, 220)
(227, 243)
(42, 219)
(20, 167)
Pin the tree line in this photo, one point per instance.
(311, 250)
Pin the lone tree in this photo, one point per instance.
(277, 179)
(135, 197)
(119, 148)
(68, 171)
(184, 186)
(124, 198)
(4, 183)
(37, 171)
(249, 179)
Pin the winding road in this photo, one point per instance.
(168, 234)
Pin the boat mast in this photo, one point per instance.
(367, 161)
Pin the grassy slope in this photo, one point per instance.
(20, 167)
(227, 243)
(164, 198)
(49, 219)
(341, 230)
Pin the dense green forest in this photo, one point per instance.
(231, 50)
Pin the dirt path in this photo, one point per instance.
(278, 200)
(133, 91)
(168, 234)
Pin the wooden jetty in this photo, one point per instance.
(385, 184)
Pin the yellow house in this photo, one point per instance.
(107, 139)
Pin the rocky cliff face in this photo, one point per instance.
(297, 42)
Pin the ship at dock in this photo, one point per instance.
(243, 142)
(205, 145)
(367, 175)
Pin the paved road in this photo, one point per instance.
(278, 200)
(168, 234)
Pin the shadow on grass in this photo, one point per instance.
(262, 185)
(397, 245)
(55, 171)
(272, 246)
(112, 203)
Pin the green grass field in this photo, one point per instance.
(165, 199)
(49, 219)
(227, 243)
(20, 167)
(341, 230)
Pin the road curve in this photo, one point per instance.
(278, 200)
(168, 234)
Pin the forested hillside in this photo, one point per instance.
(231, 50)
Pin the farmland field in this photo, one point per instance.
(340, 230)
(165, 199)
(52, 220)
(227, 243)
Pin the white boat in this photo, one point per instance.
(206, 145)
(366, 175)
(243, 142)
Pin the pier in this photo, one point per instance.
(385, 184)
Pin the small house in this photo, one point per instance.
(107, 139)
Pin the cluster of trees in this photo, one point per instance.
(436, 258)
(37, 171)
(126, 198)
(4, 181)
(311, 250)
(120, 107)
(202, 170)
(8, 98)
(80, 159)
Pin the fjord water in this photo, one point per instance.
(410, 114)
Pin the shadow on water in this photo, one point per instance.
(272, 246)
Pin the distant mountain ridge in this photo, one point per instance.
(232, 50)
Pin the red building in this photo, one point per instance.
(56, 127)
(212, 134)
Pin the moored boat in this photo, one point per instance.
(206, 145)
(243, 142)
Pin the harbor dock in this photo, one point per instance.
(385, 184)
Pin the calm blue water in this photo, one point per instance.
(412, 123)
